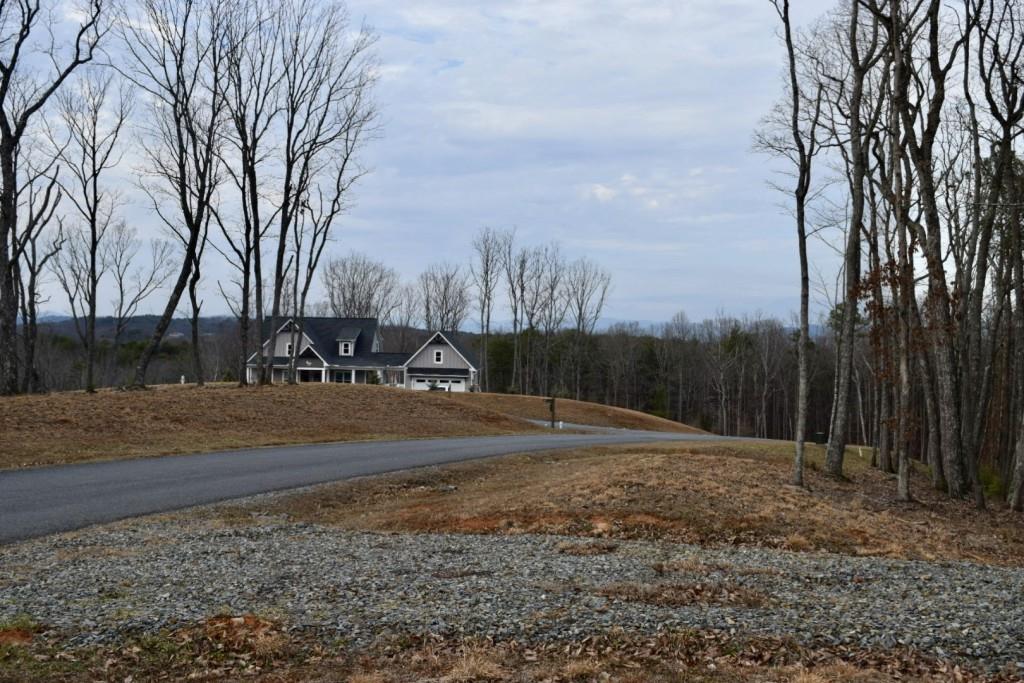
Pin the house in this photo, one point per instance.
(348, 350)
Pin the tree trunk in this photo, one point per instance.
(197, 353)
(8, 283)
(165, 318)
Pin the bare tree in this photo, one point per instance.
(359, 287)
(38, 199)
(514, 266)
(92, 117)
(486, 271)
(35, 61)
(444, 289)
(252, 101)
(404, 317)
(327, 75)
(863, 53)
(587, 287)
(313, 228)
(554, 304)
(176, 57)
(133, 282)
(799, 150)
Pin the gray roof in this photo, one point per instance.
(325, 333)
(461, 345)
(348, 334)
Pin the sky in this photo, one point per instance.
(621, 129)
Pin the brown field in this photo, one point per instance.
(578, 412)
(733, 493)
(75, 426)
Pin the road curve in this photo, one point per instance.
(36, 502)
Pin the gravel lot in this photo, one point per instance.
(99, 584)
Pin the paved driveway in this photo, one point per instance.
(36, 502)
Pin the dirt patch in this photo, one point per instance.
(15, 636)
(75, 426)
(709, 494)
(578, 412)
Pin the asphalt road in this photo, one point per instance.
(36, 502)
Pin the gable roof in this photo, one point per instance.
(325, 333)
(454, 342)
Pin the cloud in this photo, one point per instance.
(600, 193)
(621, 128)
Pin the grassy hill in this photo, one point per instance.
(75, 426)
(578, 412)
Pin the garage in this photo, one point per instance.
(440, 365)
(453, 384)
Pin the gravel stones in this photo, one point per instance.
(100, 584)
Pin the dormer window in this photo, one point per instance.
(345, 348)
(438, 357)
(288, 349)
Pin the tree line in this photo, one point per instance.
(898, 128)
(241, 122)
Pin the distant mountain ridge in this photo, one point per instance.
(139, 327)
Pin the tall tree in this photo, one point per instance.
(861, 58)
(38, 199)
(253, 104)
(486, 271)
(586, 287)
(93, 116)
(35, 62)
(327, 73)
(802, 146)
(176, 57)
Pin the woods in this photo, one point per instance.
(920, 109)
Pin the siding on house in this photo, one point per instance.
(284, 338)
(425, 359)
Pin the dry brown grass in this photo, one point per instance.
(724, 493)
(252, 648)
(578, 412)
(684, 656)
(75, 426)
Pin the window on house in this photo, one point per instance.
(345, 348)
(288, 349)
(438, 356)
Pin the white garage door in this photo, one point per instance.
(443, 384)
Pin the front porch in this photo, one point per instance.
(394, 377)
